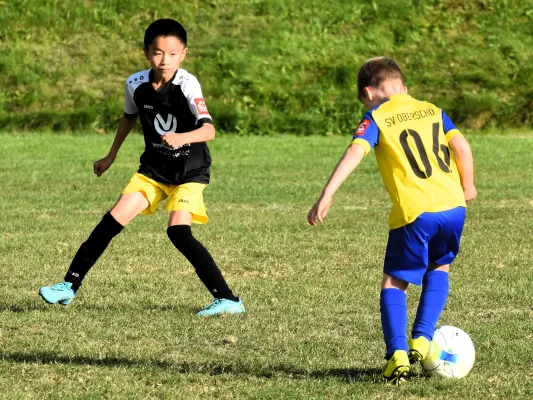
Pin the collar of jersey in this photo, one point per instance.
(395, 97)
(400, 97)
(151, 75)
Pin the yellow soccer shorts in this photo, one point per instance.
(187, 197)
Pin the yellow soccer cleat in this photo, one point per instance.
(397, 367)
(418, 349)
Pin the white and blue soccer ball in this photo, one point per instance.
(451, 353)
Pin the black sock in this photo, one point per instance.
(92, 249)
(206, 269)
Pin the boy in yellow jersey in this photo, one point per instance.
(175, 166)
(429, 187)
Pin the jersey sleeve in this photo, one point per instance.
(130, 109)
(367, 133)
(193, 92)
(450, 130)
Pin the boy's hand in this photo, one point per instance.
(103, 165)
(174, 140)
(470, 194)
(319, 210)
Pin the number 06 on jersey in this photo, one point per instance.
(410, 139)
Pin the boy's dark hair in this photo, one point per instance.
(375, 71)
(165, 28)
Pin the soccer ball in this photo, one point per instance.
(451, 353)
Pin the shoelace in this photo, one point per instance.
(59, 286)
(214, 304)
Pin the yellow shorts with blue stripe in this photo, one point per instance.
(186, 197)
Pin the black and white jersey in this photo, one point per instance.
(179, 107)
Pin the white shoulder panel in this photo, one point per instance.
(133, 83)
(193, 93)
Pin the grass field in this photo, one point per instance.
(312, 330)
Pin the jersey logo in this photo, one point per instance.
(201, 107)
(361, 129)
(163, 127)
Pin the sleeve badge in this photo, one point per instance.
(363, 126)
(201, 107)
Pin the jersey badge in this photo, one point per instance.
(363, 126)
(201, 107)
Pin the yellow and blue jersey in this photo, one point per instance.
(410, 139)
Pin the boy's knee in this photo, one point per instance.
(435, 267)
(390, 282)
(128, 206)
(123, 217)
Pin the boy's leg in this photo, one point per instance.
(443, 248)
(180, 234)
(406, 261)
(186, 205)
(393, 308)
(435, 288)
(127, 207)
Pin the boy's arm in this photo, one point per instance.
(465, 165)
(124, 128)
(204, 133)
(348, 162)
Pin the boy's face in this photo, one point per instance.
(165, 55)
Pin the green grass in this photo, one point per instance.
(313, 328)
(283, 66)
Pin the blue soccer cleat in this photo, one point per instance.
(222, 306)
(61, 293)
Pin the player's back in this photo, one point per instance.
(414, 159)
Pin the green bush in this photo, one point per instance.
(267, 66)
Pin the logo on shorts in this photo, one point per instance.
(200, 106)
(361, 129)
(183, 201)
(163, 127)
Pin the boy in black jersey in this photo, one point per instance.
(175, 165)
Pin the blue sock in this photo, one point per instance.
(435, 288)
(393, 304)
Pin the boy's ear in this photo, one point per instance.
(184, 53)
(368, 93)
(146, 53)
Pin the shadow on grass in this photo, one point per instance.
(22, 308)
(179, 310)
(40, 305)
(371, 375)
